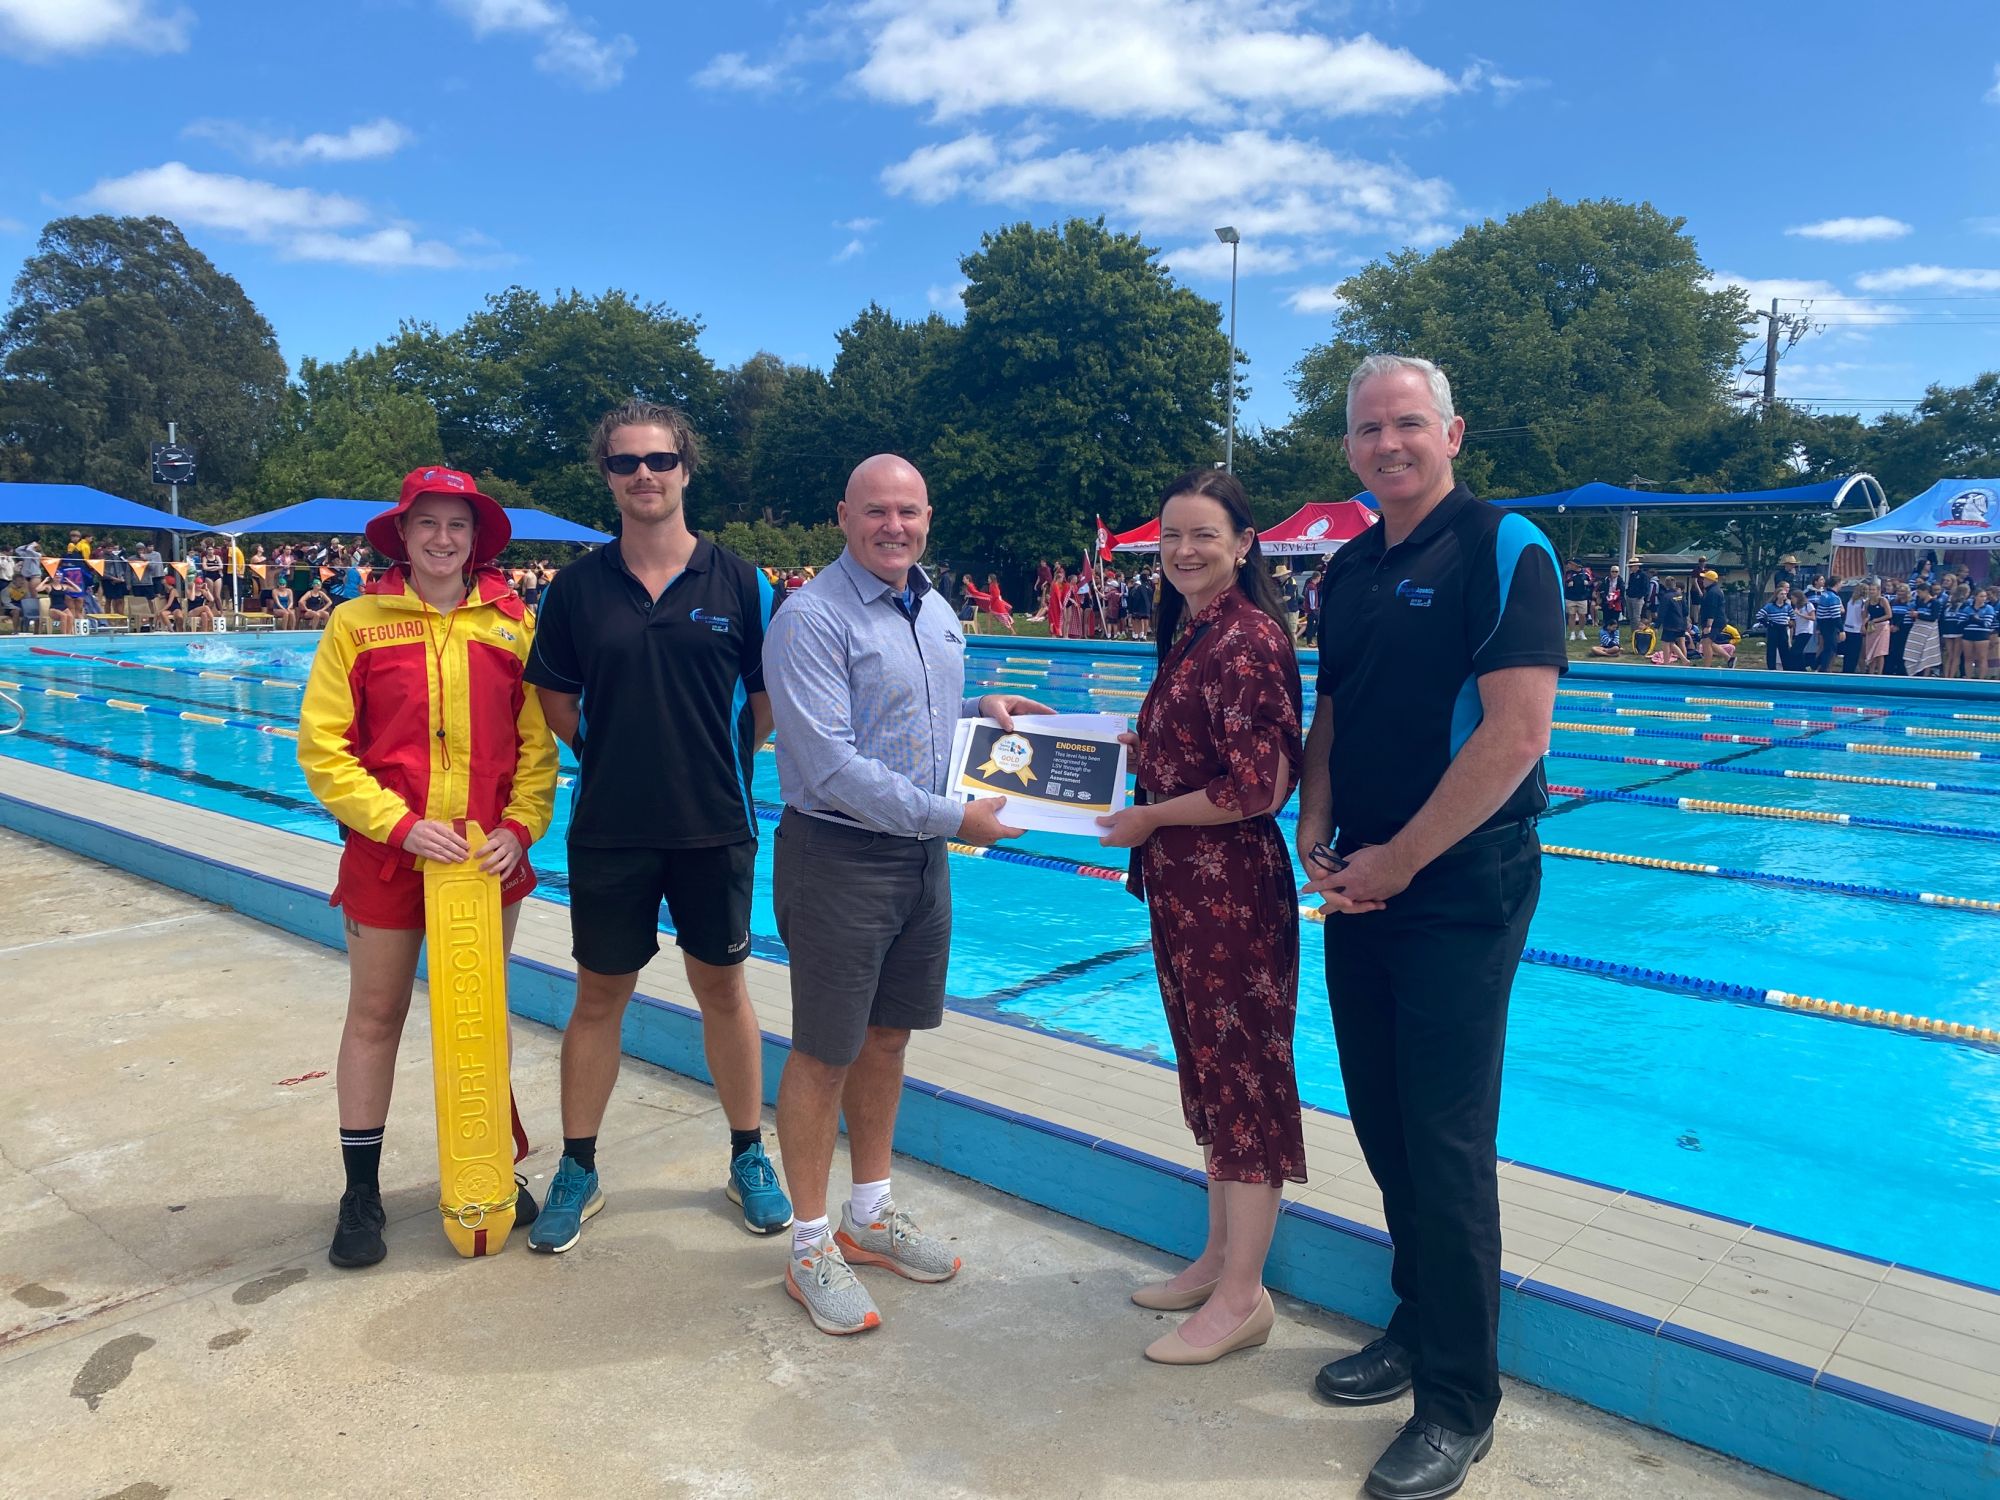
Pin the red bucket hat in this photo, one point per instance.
(495, 530)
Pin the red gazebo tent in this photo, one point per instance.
(1318, 526)
(1145, 538)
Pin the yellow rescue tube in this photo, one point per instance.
(468, 986)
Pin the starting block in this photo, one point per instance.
(468, 987)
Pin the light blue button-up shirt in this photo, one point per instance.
(865, 698)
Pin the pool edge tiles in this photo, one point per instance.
(1610, 1298)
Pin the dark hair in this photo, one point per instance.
(1253, 578)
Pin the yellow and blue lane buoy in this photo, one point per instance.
(468, 988)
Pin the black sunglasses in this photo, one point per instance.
(628, 463)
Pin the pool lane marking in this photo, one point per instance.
(1781, 742)
(1785, 814)
(158, 695)
(291, 683)
(1769, 877)
(129, 706)
(1961, 1033)
(1722, 765)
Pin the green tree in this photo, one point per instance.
(796, 471)
(119, 325)
(518, 388)
(1953, 434)
(748, 393)
(346, 431)
(1582, 341)
(1082, 380)
(1283, 468)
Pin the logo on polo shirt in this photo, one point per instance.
(953, 637)
(715, 622)
(1415, 597)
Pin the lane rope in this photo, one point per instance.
(128, 705)
(290, 683)
(1783, 814)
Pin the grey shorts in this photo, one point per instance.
(867, 920)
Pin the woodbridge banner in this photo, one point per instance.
(1952, 515)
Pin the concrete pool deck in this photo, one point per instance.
(173, 1327)
(1840, 1371)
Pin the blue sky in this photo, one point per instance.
(769, 167)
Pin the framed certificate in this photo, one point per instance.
(1058, 772)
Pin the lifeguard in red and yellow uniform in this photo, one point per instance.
(416, 719)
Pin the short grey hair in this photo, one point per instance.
(1390, 364)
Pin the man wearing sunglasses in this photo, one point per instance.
(648, 657)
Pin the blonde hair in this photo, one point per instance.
(646, 414)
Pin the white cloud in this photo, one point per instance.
(1987, 224)
(1760, 290)
(570, 49)
(949, 297)
(300, 223)
(931, 174)
(848, 251)
(1316, 299)
(576, 54)
(1262, 184)
(44, 29)
(1853, 230)
(1942, 278)
(734, 70)
(856, 226)
(1209, 60)
(364, 142)
(489, 16)
(1992, 95)
(1210, 260)
(12, 226)
(395, 247)
(216, 200)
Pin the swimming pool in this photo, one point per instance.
(1877, 1141)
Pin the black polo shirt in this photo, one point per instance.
(1406, 632)
(665, 742)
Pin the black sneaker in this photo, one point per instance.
(525, 1209)
(357, 1237)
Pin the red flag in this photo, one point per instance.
(1103, 540)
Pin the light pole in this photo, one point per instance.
(1228, 235)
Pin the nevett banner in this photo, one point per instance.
(1059, 772)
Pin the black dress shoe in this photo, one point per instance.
(1379, 1372)
(1426, 1462)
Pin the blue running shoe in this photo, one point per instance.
(573, 1197)
(753, 1186)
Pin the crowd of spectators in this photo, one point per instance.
(1936, 622)
(109, 584)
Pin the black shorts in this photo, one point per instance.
(615, 896)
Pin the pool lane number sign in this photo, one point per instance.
(1058, 772)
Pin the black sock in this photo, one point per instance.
(581, 1149)
(742, 1140)
(361, 1152)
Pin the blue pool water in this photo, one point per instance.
(1878, 1142)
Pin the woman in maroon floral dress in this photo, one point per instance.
(1217, 752)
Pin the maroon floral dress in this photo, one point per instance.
(1223, 710)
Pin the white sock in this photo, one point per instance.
(867, 1201)
(807, 1233)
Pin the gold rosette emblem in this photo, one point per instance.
(1011, 756)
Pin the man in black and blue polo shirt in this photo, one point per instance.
(1441, 641)
(648, 657)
